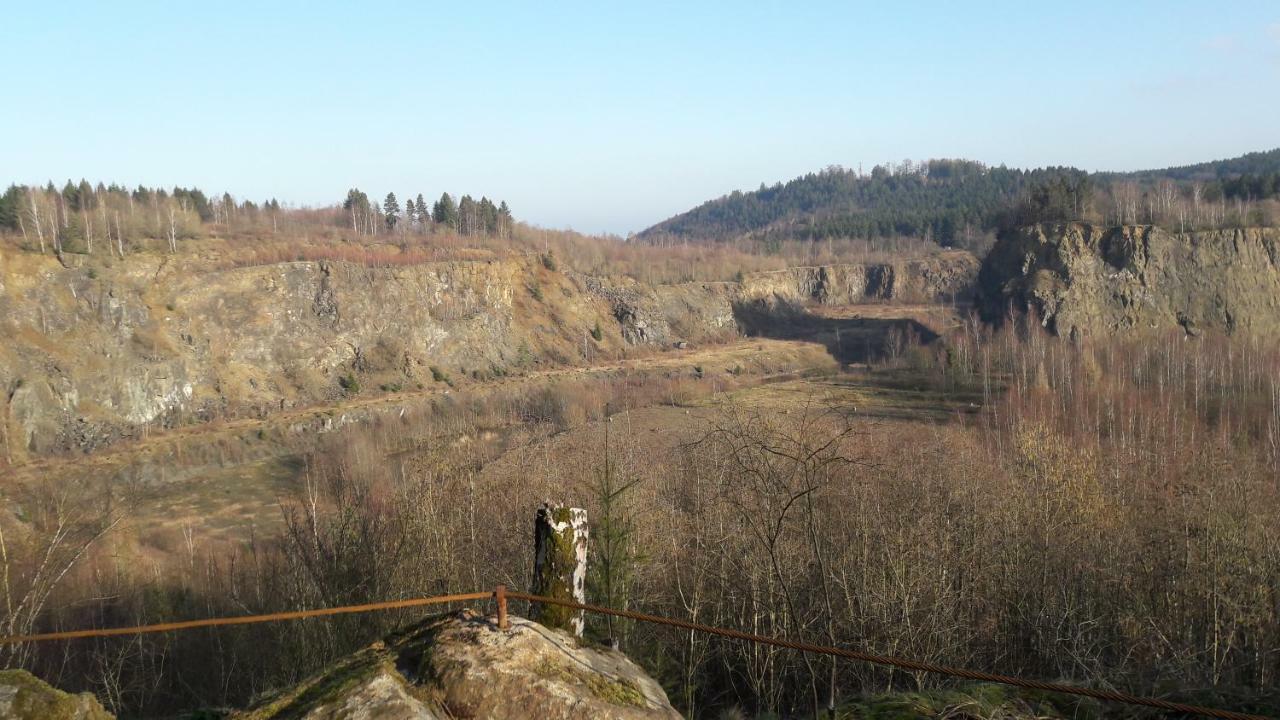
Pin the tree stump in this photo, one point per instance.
(560, 565)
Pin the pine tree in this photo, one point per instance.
(10, 204)
(424, 214)
(445, 212)
(391, 208)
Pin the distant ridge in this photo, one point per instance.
(950, 201)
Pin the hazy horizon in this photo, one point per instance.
(609, 121)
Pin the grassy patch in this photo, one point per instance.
(971, 701)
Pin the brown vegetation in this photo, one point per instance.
(1110, 517)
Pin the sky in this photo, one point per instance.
(609, 117)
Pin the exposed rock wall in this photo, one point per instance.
(670, 313)
(109, 348)
(97, 352)
(1081, 278)
(937, 278)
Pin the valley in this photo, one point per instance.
(216, 483)
(1034, 456)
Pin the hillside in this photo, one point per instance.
(964, 203)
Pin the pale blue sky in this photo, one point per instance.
(608, 118)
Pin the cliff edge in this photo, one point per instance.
(1088, 279)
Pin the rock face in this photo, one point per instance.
(671, 313)
(462, 666)
(25, 697)
(1082, 279)
(110, 348)
(938, 278)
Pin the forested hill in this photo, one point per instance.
(960, 202)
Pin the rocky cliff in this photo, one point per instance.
(669, 313)
(940, 278)
(1081, 278)
(106, 349)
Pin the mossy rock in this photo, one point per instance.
(461, 665)
(24, 696)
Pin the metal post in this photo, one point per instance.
(500, 594)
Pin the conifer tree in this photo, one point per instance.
(391, 208)
(424, 214)
(445, 212)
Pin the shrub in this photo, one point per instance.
(596, 333)
(349, 383)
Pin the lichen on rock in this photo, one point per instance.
(463, 666)
(23, 696)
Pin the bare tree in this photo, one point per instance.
(64, 525)
(34, 210)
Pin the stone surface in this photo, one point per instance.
(26, 697)
(109, 349)
(944, 277)
(1083, 279)
(461, 666)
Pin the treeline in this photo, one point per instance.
(965, 203)
(467, 216)
(86, 218)
(951, 202)
(81, 215)
(1254, 163)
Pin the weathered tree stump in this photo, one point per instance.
(560, 565)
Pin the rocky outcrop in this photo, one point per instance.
(111, 348)
(463, 666)
(23, 696)
(666, 314)
(1081, 278)
(944, 277)
(106, 349)
(670, 313)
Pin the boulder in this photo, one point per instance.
(463, 666)
(24, 696)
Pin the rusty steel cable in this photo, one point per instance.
(502, 595)
(246, 619)
(900, 663)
